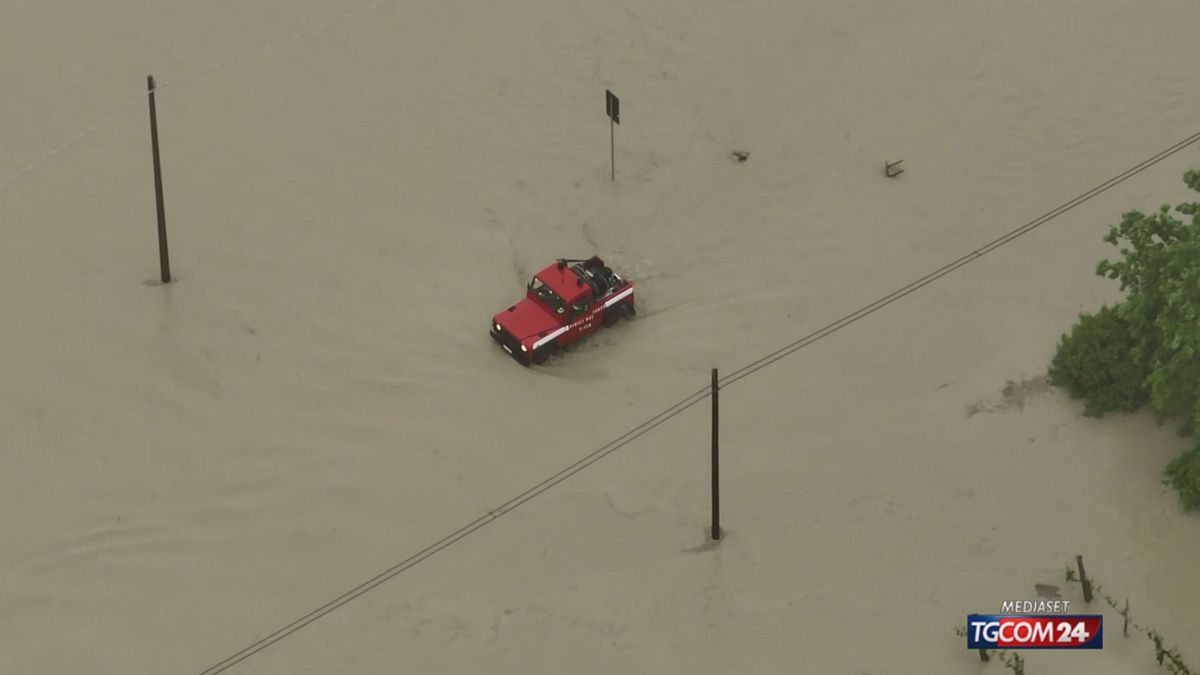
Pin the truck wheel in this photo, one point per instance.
(542, 355)
(617, 312)
(612, 315)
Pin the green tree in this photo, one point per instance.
(1146, 348)
(1183, 474)
(1099, 363)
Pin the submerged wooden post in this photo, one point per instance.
(164, 261)
(1083, 580)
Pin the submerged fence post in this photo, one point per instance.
(1083, 580)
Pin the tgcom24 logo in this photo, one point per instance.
(1035, 631)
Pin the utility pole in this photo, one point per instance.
(716, 487)
(164, 261)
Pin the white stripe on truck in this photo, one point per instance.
(550, 337)
(607, 303)
(618, 297)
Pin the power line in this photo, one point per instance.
(670, 412)
(459, 534)
(954, 265)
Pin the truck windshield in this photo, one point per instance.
(549, 297)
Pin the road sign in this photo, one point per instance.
(612, 106)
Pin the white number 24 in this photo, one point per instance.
(1068, 631)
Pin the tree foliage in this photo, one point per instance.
(1097, 363)
(1183, 474)
(1146, 348)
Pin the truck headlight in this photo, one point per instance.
(497, 327)
(523, 348)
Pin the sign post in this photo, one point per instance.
(612, 107)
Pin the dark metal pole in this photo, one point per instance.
(716, 492)
(163, 259)
(612, 144)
